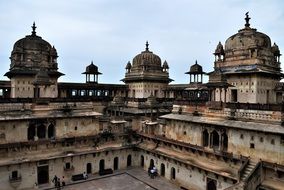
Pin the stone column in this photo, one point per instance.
(225, 98)
(35, 137)
(220, 98)
(220, 141)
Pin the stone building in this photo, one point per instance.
(224, 134)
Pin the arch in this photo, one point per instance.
(163, 170)
(152, 163)
(51, 131)
(115, 163)
(42, 175)
(225, 141)
(41, 131)
(205, 138)
(31, 132)
(129, 160)
(89, 168)
(211, 184)
(102, 165)
(215, 139)
(142, 161)
(173, 173)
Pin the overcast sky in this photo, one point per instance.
(112, 32)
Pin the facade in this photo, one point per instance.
(224, 134)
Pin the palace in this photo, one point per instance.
(227, 133)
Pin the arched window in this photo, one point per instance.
(173, 173)
(51, 131)
(31, 132)
(142, 161)
(41, 131)
(205, 137)
(215, 142)
(211, 184)
(102, 165)
(225, 141)
(89, 168)
(129, 161)
(163, 170)
(152, 163)
(115, 163)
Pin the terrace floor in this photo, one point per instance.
(130, 179)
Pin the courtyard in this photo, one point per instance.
(131, 179)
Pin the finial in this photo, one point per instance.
(247, 20)
(195, 62)
(92, 62)
(34, 28)
(147, 46)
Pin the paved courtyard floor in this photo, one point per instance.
(132, 179)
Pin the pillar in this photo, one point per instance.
(225, 98)
(220, 98)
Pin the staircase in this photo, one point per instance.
(248, 169)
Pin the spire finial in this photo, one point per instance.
(147, 46)
(247, 20)
(34, 28)
(196, 62)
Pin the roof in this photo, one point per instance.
(253, 126)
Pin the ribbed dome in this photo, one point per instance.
(148, 59)
(31, 54)
(32, 42)
(247, 38)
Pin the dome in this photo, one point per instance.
(31, 54)
(275, 50)
(165, 65)
(247, 38)
(92, 69)
(195, 69)
(219, 49)
(128, 65)
(148, 59)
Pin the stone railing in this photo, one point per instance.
(242, 168)
(261, 112)
(254, 178)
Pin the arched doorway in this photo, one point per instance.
(115, 163)
(173, 173)
(215, 136)
(162, 170)
(129, 161)
(205, 135)
(41, 131)
(152, 163)
(31, 132)
(142, 161)
(89, 168)
(51, 131)
(211, 184)
(102, 165)
(42, 175)
(225, 141)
